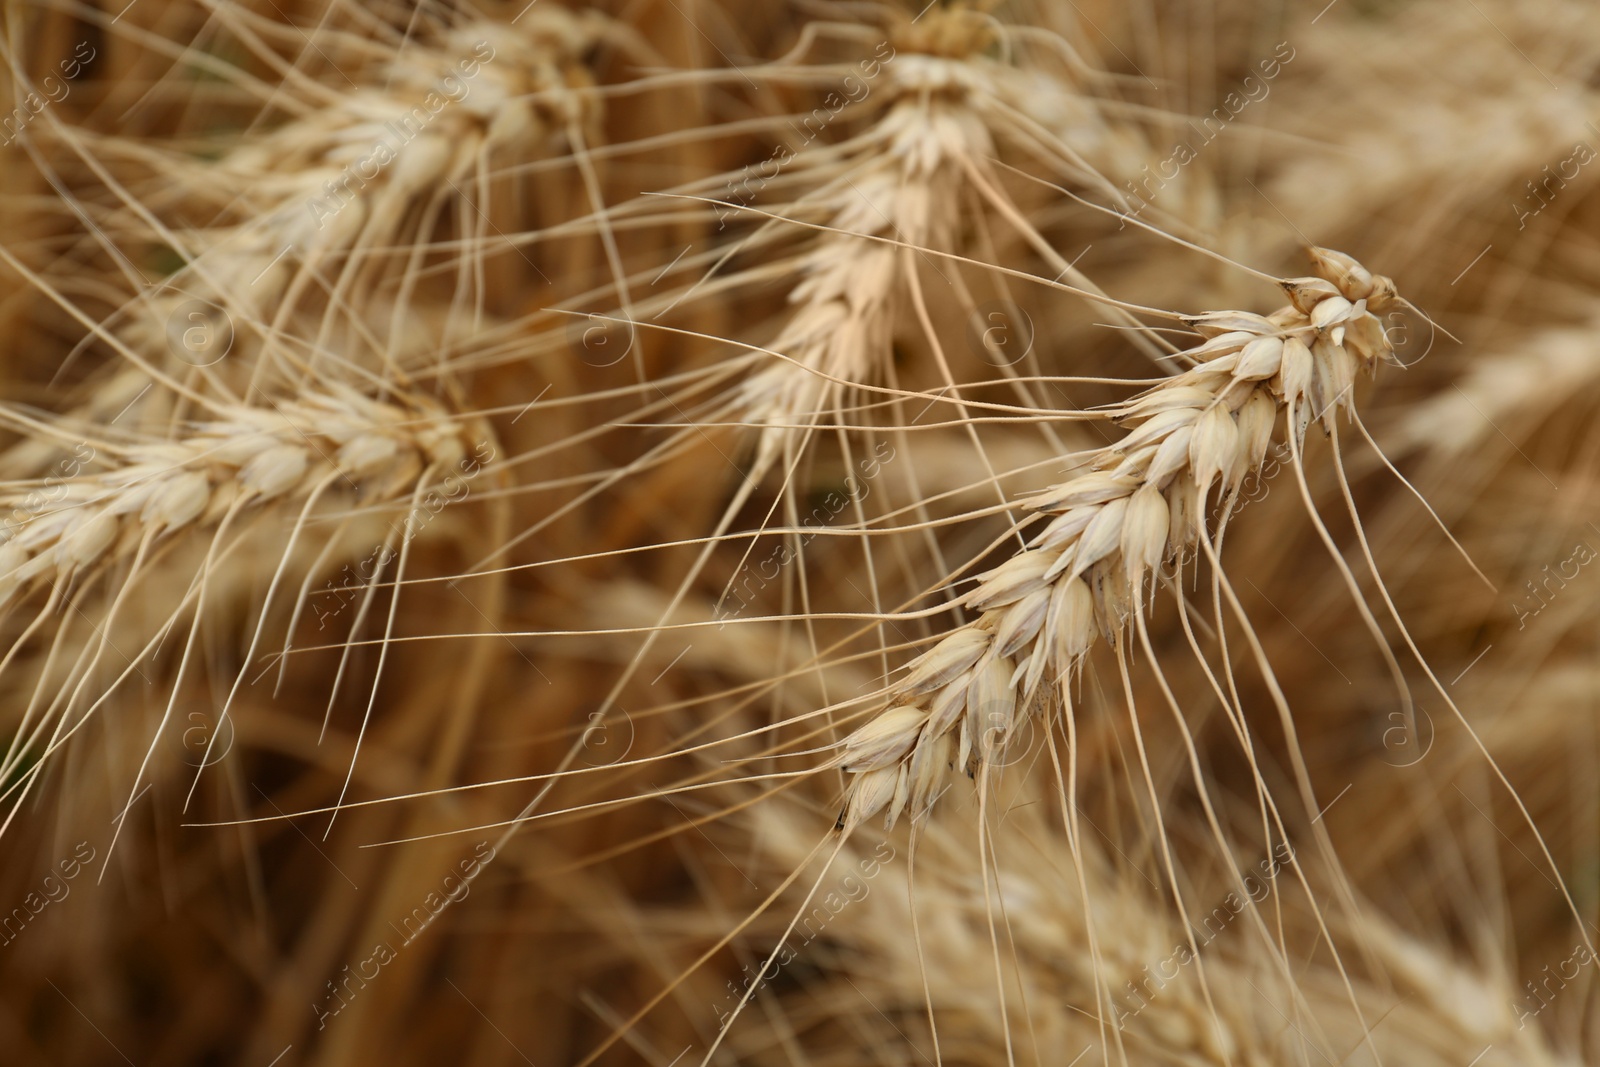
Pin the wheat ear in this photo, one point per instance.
(1111, 530)
(347, 193)
(917, 178)
(243, 456)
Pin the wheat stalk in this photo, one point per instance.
(1113, 528)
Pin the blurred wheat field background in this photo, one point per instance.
(810, 533)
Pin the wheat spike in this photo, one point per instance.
(910, 179)
(242, 456)
(1111, 529)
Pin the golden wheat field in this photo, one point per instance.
(803, 533)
